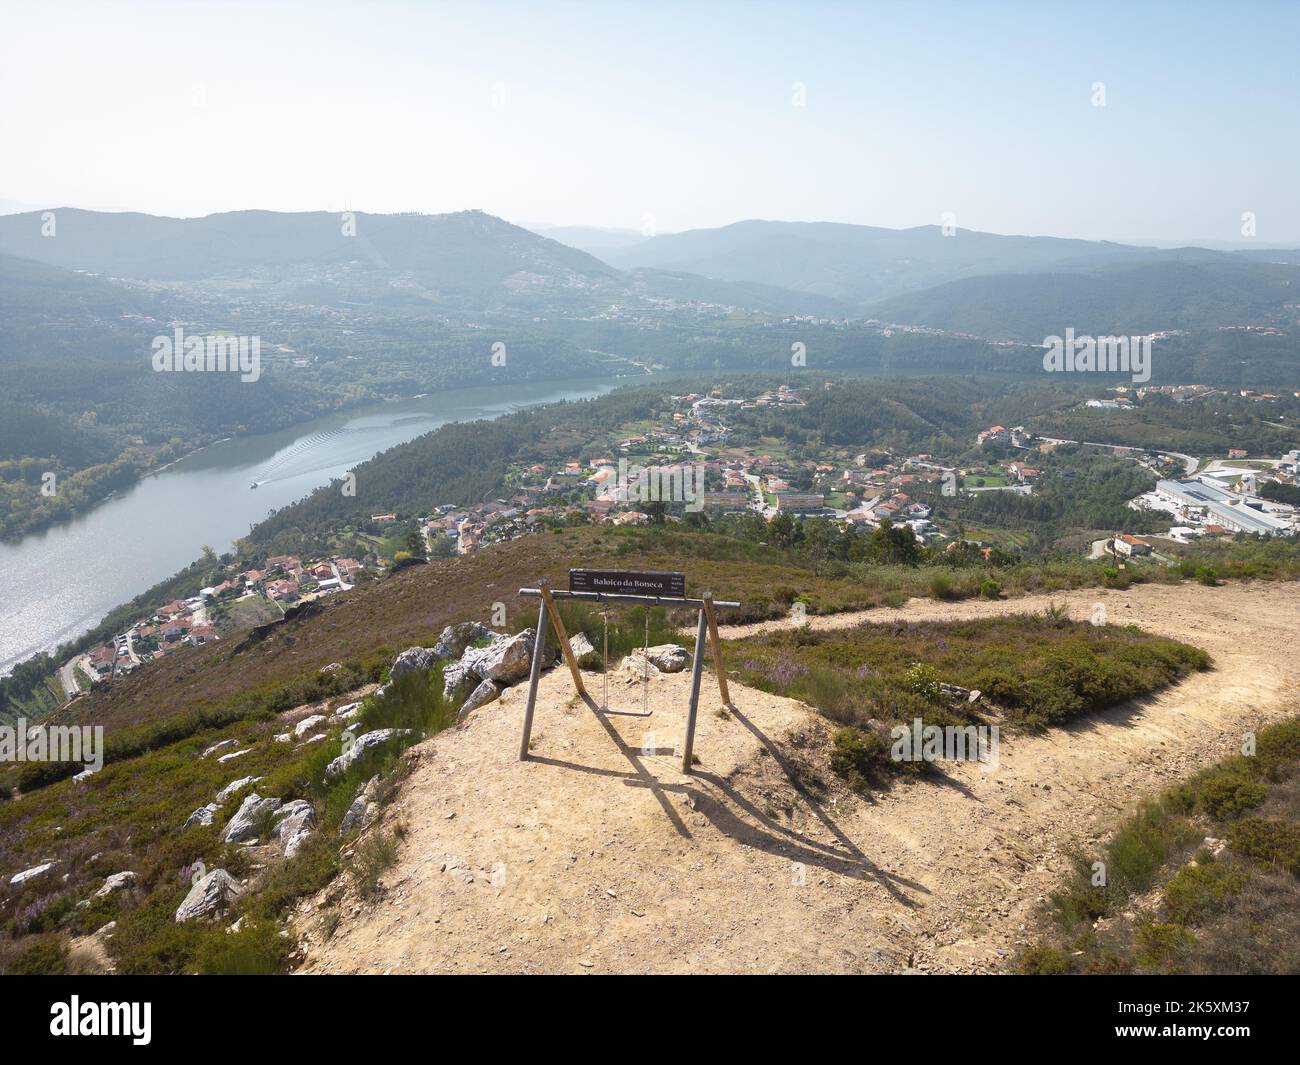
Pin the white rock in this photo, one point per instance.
(115, 882)
(202, 816)
(243, 825)
(234, 786)
(412, 660)
(487, 692)
(233, 755)
(307, 724)
(360, 746)
(32, 873)
(211, 896)
(218, 747)
(294, 822)
(455, 638)
(348, 711)
(505, 660)
(640, 668)
(283, 737)
(580, 645)
(668, 657)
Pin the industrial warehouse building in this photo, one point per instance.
(1219, 507)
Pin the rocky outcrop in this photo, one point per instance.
(202, 816)
(456, 638)
(294, 823)
(210, 897)
(363, 808)
(667, 657)
(489, 691)
(307, 724)
(412, 660)
(243, 826)
(458, 680)
(360, 746)
(234, 787)
(115, 882)
(506, 660)
(32, 873)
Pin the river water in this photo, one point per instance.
(58, 584)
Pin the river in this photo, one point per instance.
(56, 585)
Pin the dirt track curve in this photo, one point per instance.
(599, 855)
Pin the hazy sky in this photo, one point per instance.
(609, 113)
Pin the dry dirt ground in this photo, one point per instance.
(598, 855)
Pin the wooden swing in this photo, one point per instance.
(706, 632)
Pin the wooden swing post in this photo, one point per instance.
(706, 636)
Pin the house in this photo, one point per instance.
(799, 502)
(1131, 545)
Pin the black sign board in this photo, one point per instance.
(627, 582)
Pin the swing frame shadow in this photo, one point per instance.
(706, 631)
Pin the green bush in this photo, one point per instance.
(1275, 843)
(43, 955)
(1199, 891)
(990, 589)
(1223, 792)
(1042, 959)
(860, 757)
(1162, 946)
(257, 949)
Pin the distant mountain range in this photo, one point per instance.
(1190, 290)
(460, 266)
(861, 264)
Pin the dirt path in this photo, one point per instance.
(598, 857)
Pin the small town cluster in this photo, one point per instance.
(690, 460)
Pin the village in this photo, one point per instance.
(690, 462)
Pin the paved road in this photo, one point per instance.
(1189, 462)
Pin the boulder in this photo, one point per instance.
(115, 882)
(294, 822)
(455, 638)
(580, 645)
(235, 786)
(505, 660)
(202, 816)
(488, 691)
(360, 746)
(243, 825)
(412, 660)
(348, 711)
(32, 873)
(233, 755)
(307, 724)
(333, 667)
(218, 747)
(639, 668)
(209, 897)
(668, 657)
(458, 680)
(363, 807)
